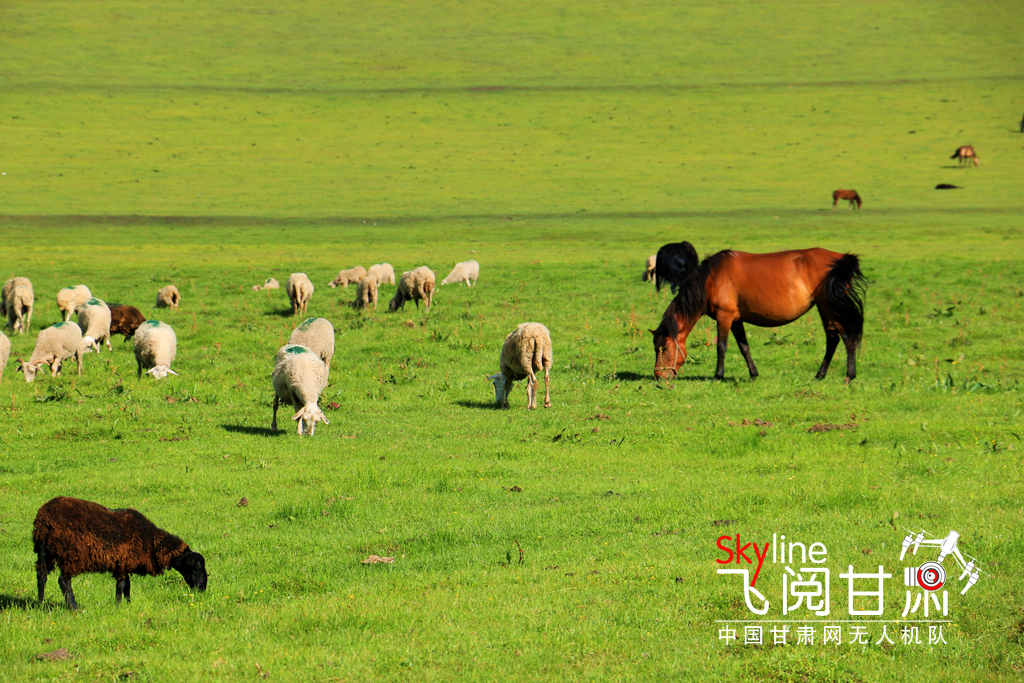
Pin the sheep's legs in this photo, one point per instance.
(547, 388)
(124, 587)
(42, 570)
(531, 391)
(78, 357)
(64, 581)
(273, 422)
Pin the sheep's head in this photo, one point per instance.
(29, 369)
(308, 416)
(90, 344)
(500, 389)
(161, 371)
(193, 568)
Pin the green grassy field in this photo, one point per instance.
(213, 145)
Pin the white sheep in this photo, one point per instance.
(300, 291)
(353, 275)
(54, 345)
(18, 301)
(5, 353)
(269, 283)
(467, 271)
(94, 319)
(525, 351)
(317, 335)
(299, 377)
(366, 294)
(649, 268)
(168, 297)
(155, 348)
(70, 298)
(416, 285)
(384, 273)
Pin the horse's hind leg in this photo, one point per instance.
(741, 341)
(851, 359)
(831, 343)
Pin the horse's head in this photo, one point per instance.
(669, 344)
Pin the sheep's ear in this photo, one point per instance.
(172, 372)
(491, 378)
(298, 415)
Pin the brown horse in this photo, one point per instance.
(767, 290)
(849, 195)
(965, 154)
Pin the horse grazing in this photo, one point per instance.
(849, 195)
(965, 154)
(767, 290)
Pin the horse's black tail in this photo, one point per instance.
(844, 287)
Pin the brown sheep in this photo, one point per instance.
(82, 537)
(125, 320)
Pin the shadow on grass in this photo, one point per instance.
(252, 431)
(634, 377)
(9, 602)
(479, 405)
(284, 313)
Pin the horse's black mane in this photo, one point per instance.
(691, 301)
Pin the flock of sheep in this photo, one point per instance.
(155, 344)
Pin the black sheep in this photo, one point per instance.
(82, 537)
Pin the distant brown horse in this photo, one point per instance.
(965, 154)
(849, 195)
(767, 290)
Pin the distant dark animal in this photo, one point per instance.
(767, 290)
(965, 154)
(946, 186)
(82, 537)
(849, 195)
(1022, 125)
(674, 262)
(125, 320)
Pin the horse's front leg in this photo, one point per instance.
(723, 342)
(741, 341)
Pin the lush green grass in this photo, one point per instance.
(213, 146)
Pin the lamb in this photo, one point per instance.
(366, 294)
(300, 290)
(525, 351)
(467, 271)
(70, 298)
(18, 301)
(82, 537)
(5, 353)
(649, 268)
(269, 283)
(168, 297)
(155, 348)
(299, 376)
(94, 319)
(53, 346)
(353, 275)
(125, 320)
(384, 273)
(416, 285)
(317, 335)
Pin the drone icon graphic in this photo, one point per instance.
(932, 575)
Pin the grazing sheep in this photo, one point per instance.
(155, 348)
(125, 320)
(649, 267)
(299, 377)
(82, 537)
(317, 335)
(5, 353)
(269, 283)
(168, 297)
(384, 273)
(70, 298)
(353, 275)
(94, 319)
(366, 294)
(300, 290)
(467, 271)
(525, 351)
(18, 301)
(53, 346)
(416, 285)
